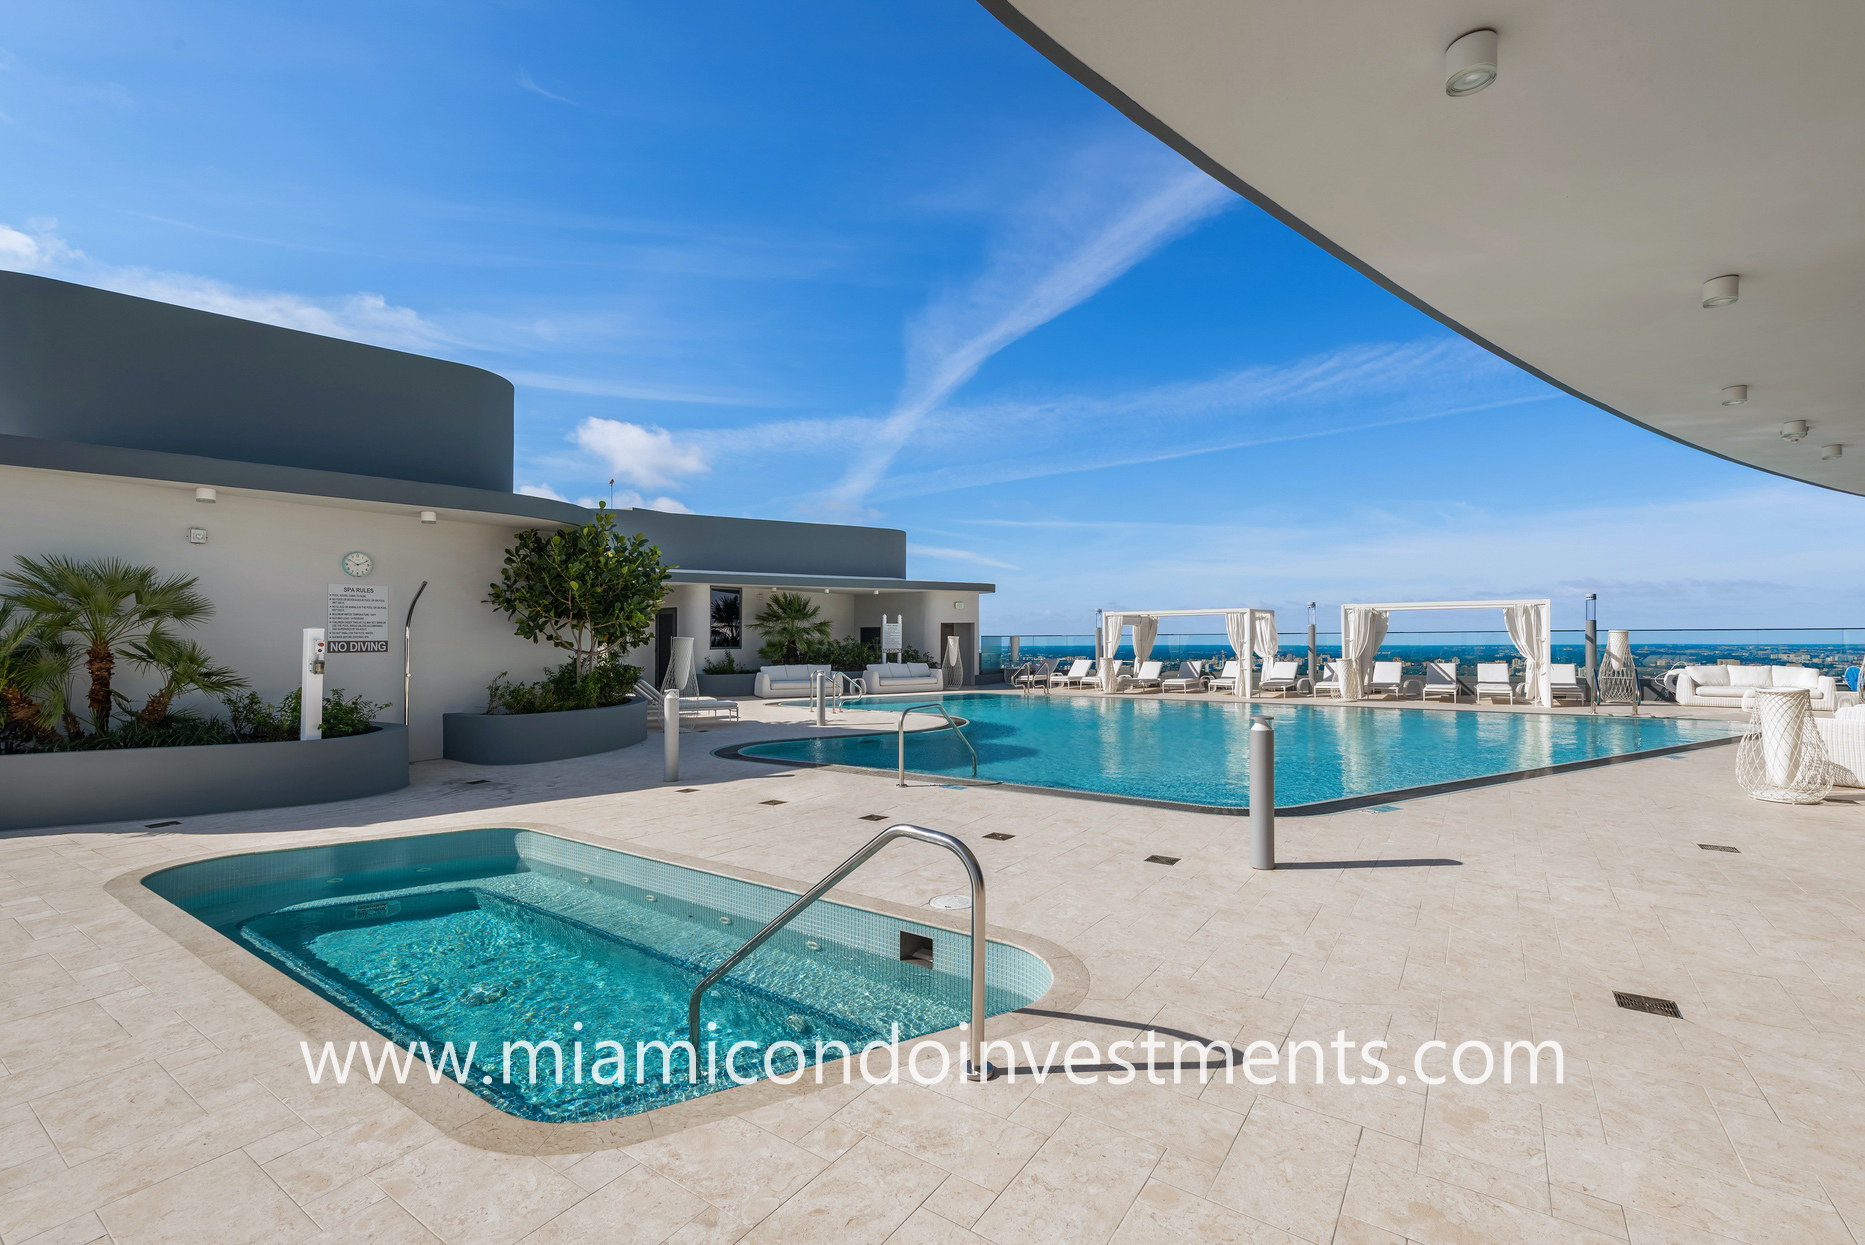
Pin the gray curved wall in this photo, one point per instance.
(101, 368)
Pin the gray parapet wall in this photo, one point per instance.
(527, 738)
(145, 784)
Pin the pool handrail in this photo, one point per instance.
(901, 742)
(974, 1071)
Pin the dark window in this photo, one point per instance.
(728, 606)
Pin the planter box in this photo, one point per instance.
(728, 684)
(527, 738)
(145, 784)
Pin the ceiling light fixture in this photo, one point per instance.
(1470, 63)
(1721, 291)
(1795, 430)
(1735, 395)
(428, 516)
(1832, 451)
(206, 495)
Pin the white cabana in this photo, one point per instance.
(1250, 630)
(1530, 624)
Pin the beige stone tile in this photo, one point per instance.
(733, 1165)
(1164, 1215)
(593, 1171)
(1353, 1231)
(959, 1200)
(862, 1196)
(246, 1208)
(1422, 1209)
(965, 1141)
(343, 1203)
(80, 1231)
(923, 1227)
(1588, 1212)
(636, 1208)
(475, 1197)
(711, 1226)
(327, 1162)
(1288, 1168)
(116, 1111)
(1077, 1187)
(383, 1222)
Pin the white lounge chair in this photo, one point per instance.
(1190, 678)
(1388, 676)
(1563, 680)
(1279, 678)
(1075, 675)
(1146, 679)
(1225, 680)
(1492, 680)
(1330, 680)
(1440, 680)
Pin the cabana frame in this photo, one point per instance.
(1244, 627)
(1538, 611)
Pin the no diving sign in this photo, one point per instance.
(356, 619)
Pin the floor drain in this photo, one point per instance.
(474, 782)
(949, 901)
(157, 825)
(1645, 1003)
(1162, 860)
(1718, 847)
(687, 790)
(773, 801)
(1000, 836)
(874, 817)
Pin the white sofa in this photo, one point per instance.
(773, 681)
(896, 676)
(1844, 735)
(1729, 686)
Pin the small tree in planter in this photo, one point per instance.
(791, 625)
(585, 590)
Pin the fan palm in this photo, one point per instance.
(34, 666)
(184, 666)
(103, 603)
(789, 623)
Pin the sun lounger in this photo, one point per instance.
(1331, 680)
(1440, 680)
(1075, 675)
(1492, 680)
(1226, 679)
(1146, 679)
(1190, 678)
(1279, 679)
(1563, 680)
(1388, 677)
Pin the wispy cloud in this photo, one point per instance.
(602, 388)
(526, 82)
(1057, 251)
(959, 555)
(644, 456)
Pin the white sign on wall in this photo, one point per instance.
(890, 635)
(357, 619)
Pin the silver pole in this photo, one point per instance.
(407, 659)
(670, 732)
(1314, 653)
(1593, 647)
(816, 695)
(1262, 794)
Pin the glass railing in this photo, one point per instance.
(1827, 649)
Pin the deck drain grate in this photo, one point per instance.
(773, 801)
(157, 825)
(1162, 860)
(1645, 1003)
(1718, 847)
(874, 817)
(686, 790)
(1000, 836)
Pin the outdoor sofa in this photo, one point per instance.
(774, 681)
(1728, 686)
(902, 676)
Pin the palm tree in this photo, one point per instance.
(103, 603)
(35, 664)
(185, 667)
(789, 622)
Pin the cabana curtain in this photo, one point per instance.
(1362, 632)
(1525, 629)
(1145, 631)
(1267, 644)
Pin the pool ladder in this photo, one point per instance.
(975, 1070)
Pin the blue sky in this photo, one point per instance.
(863, 263)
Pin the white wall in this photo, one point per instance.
(265, 567)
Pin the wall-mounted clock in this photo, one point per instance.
(358, 564)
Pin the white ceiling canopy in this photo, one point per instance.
(1566, 216)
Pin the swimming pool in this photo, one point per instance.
(486, 937)
(1194, 752)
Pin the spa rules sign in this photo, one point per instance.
(357, 619)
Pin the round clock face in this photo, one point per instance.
(358, 564)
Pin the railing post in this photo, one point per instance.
(816, 695)
(1262, 794)
(670, 732)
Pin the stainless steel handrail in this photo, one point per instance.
(950, 721)
(974, 1070)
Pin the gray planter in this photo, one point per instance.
(728, 684)
(527, 738)
(143, 784)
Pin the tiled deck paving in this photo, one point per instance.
(145, 1097)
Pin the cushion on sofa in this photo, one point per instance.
(1796, 676)
(1750, 676)
(1708, 676)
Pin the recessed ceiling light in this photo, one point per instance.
(1470, 63)
(428, 516)
(1795, 430)
(1721, 291)
(1832, 451)
(206, 495)
(1735, 395)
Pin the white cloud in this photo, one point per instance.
(601, 388)
(1069, 243)
(959, 555)
(646, 457)
(541, 490)
(526, 82)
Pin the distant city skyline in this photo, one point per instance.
(874, 264)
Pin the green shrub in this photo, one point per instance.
(724, 665)
(585, 589)
(609, 683)
(255, 721)
(853, 655)
(176, 730)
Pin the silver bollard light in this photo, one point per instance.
(1262, 794)
(817, 679)
(670, 732)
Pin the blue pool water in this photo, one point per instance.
(491, 937)
(1195, 751)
